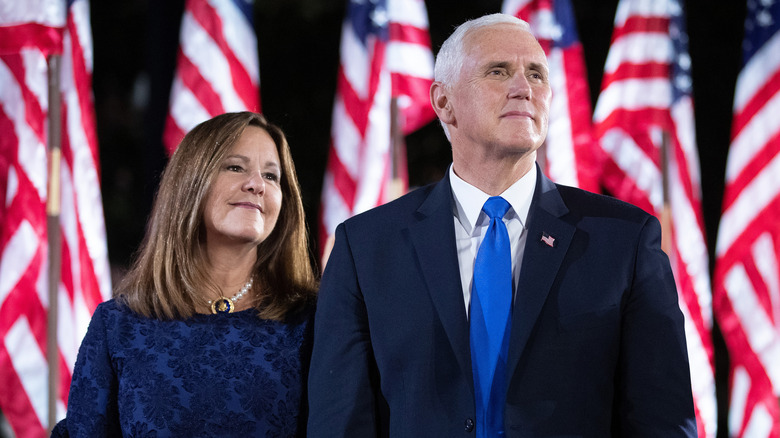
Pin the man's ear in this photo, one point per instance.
(441, 103)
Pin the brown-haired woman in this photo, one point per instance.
(209, 334)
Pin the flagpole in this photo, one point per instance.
(666, 209)
(53, 230)
(397, 152)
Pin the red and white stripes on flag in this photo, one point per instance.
(570, 155)
(85, 275)
(747, 272)
(217, 66)
(23, 234)
(29, 34)
(385, 52)
(645, 99)
(410, 62)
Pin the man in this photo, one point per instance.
(567, 324)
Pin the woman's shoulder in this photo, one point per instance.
(112, 308)
(108, 306)
(120, 323)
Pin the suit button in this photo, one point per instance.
(469, 425)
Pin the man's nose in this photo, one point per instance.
(519, 87)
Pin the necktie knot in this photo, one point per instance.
(495, 207)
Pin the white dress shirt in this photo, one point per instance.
(471, 224)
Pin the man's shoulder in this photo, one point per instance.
(585, 203)
(395, 211)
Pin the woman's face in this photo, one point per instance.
(246, 195)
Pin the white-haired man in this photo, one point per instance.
(496, 303)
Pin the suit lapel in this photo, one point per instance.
(433, 237)
(541, 262)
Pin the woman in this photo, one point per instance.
(209, 334)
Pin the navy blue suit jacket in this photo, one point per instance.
(597, 347)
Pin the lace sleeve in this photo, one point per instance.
(92, 403)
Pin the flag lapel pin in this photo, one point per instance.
(548, 239)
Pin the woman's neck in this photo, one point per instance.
(231, 267)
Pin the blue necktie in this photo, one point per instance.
(491, 302)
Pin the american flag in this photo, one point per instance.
(385, 54)
(570, 155)
(644, 104)
(747, 288)
(217, 67)
(32, 32)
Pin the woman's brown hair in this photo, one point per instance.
(168, 278)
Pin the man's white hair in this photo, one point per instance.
(452, 52)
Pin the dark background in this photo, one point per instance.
(135, 44)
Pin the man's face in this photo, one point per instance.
(500, 100)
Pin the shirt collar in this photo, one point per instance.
(469, 199)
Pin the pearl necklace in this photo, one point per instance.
(227, 305)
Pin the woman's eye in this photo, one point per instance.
(234, 168)
(271, 177)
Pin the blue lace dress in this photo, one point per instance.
(219, 375)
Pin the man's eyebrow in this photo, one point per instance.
(496, 64)
(538, 66)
